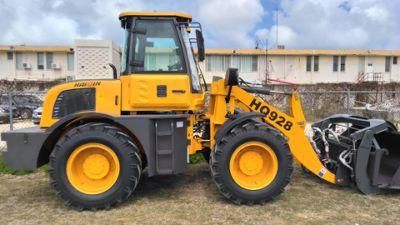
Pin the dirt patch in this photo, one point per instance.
(192, 198)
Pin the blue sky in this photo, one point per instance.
(303, 24)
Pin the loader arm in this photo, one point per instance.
(291, 126)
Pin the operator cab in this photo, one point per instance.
(159, 70)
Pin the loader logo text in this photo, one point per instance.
(87, 84)
(272, 116)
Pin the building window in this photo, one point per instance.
(49, 60)
(244, 63)
(254, 66)
(342, 63)
(217, 62)
(40, 60)
(308, 65)
(387, 64)
(394, 60)
(335, 63)
(316, 63)
(19, 63)
(70, 61)
(9, 55)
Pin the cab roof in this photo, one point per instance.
(181, 17)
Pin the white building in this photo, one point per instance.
(88, 59)
(36, 62)
(92, 58)
(305, 66)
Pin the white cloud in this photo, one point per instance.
(367, 24)
(228, 23)
(371, 24)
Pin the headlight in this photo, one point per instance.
(2, 110)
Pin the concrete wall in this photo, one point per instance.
(8, 70)
(92, 58)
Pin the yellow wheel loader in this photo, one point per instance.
(99, 135)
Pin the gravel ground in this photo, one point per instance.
(191, 198)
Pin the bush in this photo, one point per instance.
(197, 158)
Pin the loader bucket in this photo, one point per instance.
(364, 151)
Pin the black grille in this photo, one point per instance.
(72, 101)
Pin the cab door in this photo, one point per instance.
(158, 74)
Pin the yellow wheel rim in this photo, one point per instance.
(93, 168)
(253, 165)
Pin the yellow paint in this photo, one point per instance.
(156, 14)
(92, 168)
(108, 98)
(33, 48)
(253, 165)
(299, 144)
(139, 93)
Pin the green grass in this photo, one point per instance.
(197, 158)
(4, 169)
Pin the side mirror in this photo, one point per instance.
(200, 46)
(232, 77)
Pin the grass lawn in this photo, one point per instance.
(192, 198)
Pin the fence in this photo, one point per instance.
(321, 104)
(316, 105)
(19, 110)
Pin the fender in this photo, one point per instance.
(239, 119)
(57, 129)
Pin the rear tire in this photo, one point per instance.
(266, 187)
(120, 154)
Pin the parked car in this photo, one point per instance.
(24, 104)
(4, 115)
(37, 115)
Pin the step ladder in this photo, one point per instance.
(164, 146)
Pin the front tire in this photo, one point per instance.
(252, 164)
(95, 166)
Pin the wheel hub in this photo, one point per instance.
(251, 163)
(92, 168)
(96, 166)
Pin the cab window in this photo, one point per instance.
(157, 47)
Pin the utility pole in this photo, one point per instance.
(277, 27)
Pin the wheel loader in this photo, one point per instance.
(99, 135)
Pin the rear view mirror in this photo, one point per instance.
(200, 46)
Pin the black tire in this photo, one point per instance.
(111, 136)
(26, 114)
(221, 155)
